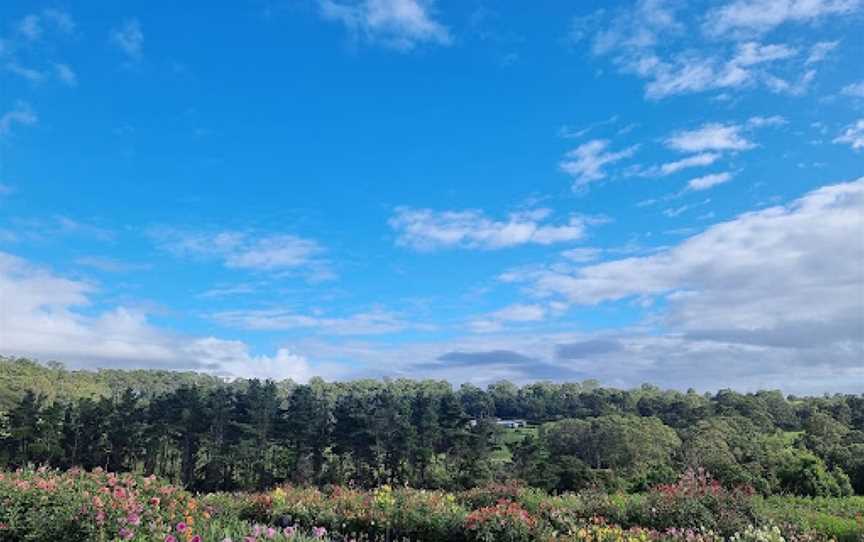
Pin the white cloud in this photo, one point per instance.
(34, 76)
(232, 359)
(494, 321)
(399, 24)
(752, 17)
(672, 212)
(66, 74)
(752, 53)
(793, 88)
(129, 38)
(245, 250)
(692, 72)
(820, 50)
(760, 122)
(29, 27)
(766, 278)
(853, 135)
(374, 322)
(425, 229)
(42, 318)
(22, 114)
(639, 28)
(651, 41)
(710, 137)
(586, 162)
(569, 132)
(708, 181)
(582, 255)
(697, 160)
(855, 90)
(32, 27)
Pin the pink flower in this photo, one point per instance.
(126, 534)
(319, 532)
(181, 527)
(133, 519)
(195, 538)
(170, 538)
(271, 532)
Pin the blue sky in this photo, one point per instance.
(655, 191)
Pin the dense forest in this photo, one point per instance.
(213, 435)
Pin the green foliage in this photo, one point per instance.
(841, 519)
(213, 436)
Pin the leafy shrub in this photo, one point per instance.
(840, 519)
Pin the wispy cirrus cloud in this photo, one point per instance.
(659, 42)
(66, 74)
(820, 51)
(29, 50)
(373, 322)
(710, 137)
(398, 24)
(856, 90)
(701, 159)
(129, 38)
(853, 135)
(709, 181)
(754, 17)
(245, 250)
(426, 229)
(519, 312)
(587, 162)
(33, 27)
(20, 115)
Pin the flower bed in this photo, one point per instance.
(77, 506)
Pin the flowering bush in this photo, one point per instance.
(506, 521)
(759, 534)
(77, 506)
(699, 501)
(385, 512)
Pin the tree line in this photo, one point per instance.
(212, 435)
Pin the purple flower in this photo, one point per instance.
(133, 519)
(125, 534)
